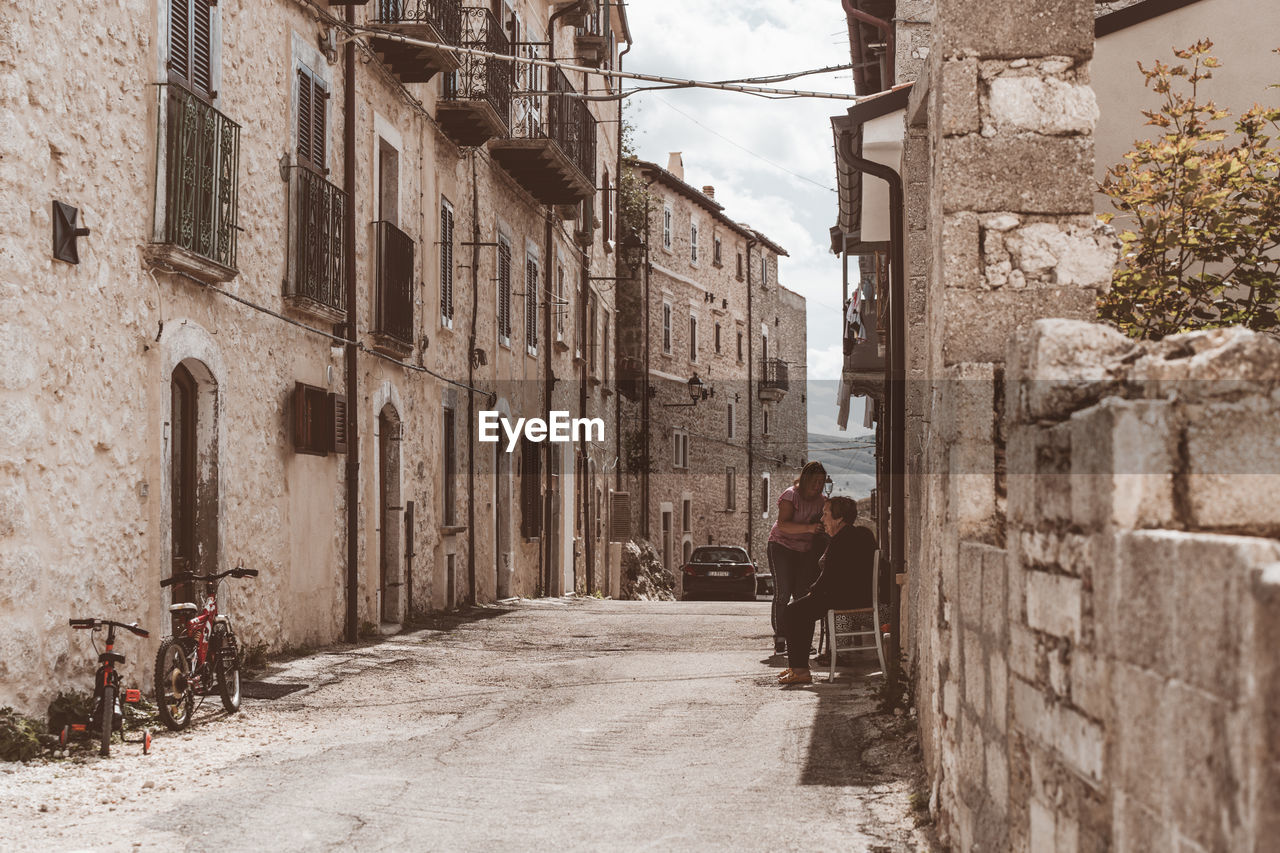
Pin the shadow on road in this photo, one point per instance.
(452, 619)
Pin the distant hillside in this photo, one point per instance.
(849, 460)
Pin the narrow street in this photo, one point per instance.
(550, 724)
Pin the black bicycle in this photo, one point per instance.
(107, 715)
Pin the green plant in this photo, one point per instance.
(19, 736)
(69, 706)
(1201, 210)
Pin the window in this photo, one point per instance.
(730, 488)
(666, 227)
(606, 201)
(764, 270)
(693, 242)
(686, 515)
(717, 338)
(715, 251)
(604, 351)
(313, 99)
(191, 41)
(580, 340)
(504, 290)
(388, 181)
(693, 338)
(764, 496)
(766, 421)
(739, 266)
(680, 449)
(666, 327)
(446, 264)
(531, 304)
(530, 489)
(739, 346)
(733, 420)
(562, 304)
(450, 450)
(593, 335)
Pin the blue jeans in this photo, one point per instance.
(793, 572)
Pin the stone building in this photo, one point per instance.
(705, 301)
(314, 252)
(1081, 524)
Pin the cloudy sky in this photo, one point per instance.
(771, 162)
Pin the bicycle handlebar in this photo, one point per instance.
(101, 623)
(237, 572)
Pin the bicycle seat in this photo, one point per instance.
(182, 607)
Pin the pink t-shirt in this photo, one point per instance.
(807, 512)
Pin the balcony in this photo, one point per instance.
(591, 41)
(477, 97)
(437, 21)
(197, 189)
(393, 310)
(551, 151)
(316, 280)
(773, 380)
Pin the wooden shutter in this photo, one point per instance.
(531, 489)
(619, 516)
(312, 102)
(504, 289)
(531, 302)
(446, 261)
(191, 44)
(338, 408)
(312, 423)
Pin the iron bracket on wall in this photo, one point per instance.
(65, 232)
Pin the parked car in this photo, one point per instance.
(720, 571)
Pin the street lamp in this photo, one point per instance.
(697, 391)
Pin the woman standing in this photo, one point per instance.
(792, 560)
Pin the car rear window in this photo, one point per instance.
(719, 555)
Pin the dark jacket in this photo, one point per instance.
(844, 576)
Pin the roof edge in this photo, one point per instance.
(1136, 14)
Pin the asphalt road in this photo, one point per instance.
(546, 725)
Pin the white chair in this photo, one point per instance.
(862, 626)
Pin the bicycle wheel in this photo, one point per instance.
(107, 710)
(174, 697)
(229, 673)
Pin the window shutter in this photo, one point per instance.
(531, 302)
(319, 103)
(304, 116)
(202, 46)
(446, 261)
(531, 490)
(338, 406)
(312, 430)
(619, 516)
(504, 289)
(180, 38)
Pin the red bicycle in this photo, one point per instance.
(201, 655)
(107, 715)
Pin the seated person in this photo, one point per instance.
(844, 583)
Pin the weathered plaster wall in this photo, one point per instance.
(85, 392)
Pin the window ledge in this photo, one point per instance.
(312, 308)
(175, 257)
(452, 529)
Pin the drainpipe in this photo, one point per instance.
(895, 374)
(349, 271)
(855, 49)
(617, 249)
(471, 394)
(886, 28)
(751, 405)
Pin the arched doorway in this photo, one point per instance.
(192, 473)
(390, 507)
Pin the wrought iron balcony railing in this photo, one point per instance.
(546, 106)
(483, 78)
(317, 268)
(773, 375)
(444, 15)
(394, 298)
(199, 171)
